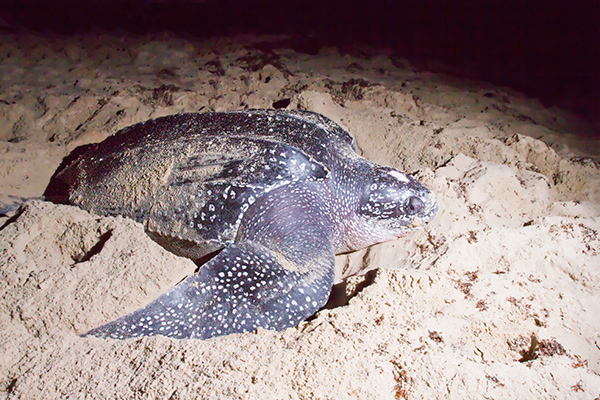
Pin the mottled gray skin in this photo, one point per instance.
(278, 192)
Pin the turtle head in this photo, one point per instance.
(391, 205)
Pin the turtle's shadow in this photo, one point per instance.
(342, 292)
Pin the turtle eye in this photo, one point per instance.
(414, 205)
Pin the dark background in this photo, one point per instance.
(547, 49)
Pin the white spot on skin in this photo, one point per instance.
(399, 175)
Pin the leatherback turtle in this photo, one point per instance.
(270, 195)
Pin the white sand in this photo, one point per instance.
(510, 268)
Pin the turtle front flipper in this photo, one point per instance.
(278, 273)
(237, 291)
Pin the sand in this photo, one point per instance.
(497, 298)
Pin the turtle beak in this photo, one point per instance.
(430, 209)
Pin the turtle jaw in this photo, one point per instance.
(359, 232)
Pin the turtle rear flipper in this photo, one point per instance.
(278, 273)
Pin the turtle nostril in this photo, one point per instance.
(414, 205)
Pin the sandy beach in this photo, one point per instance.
(496, 298)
